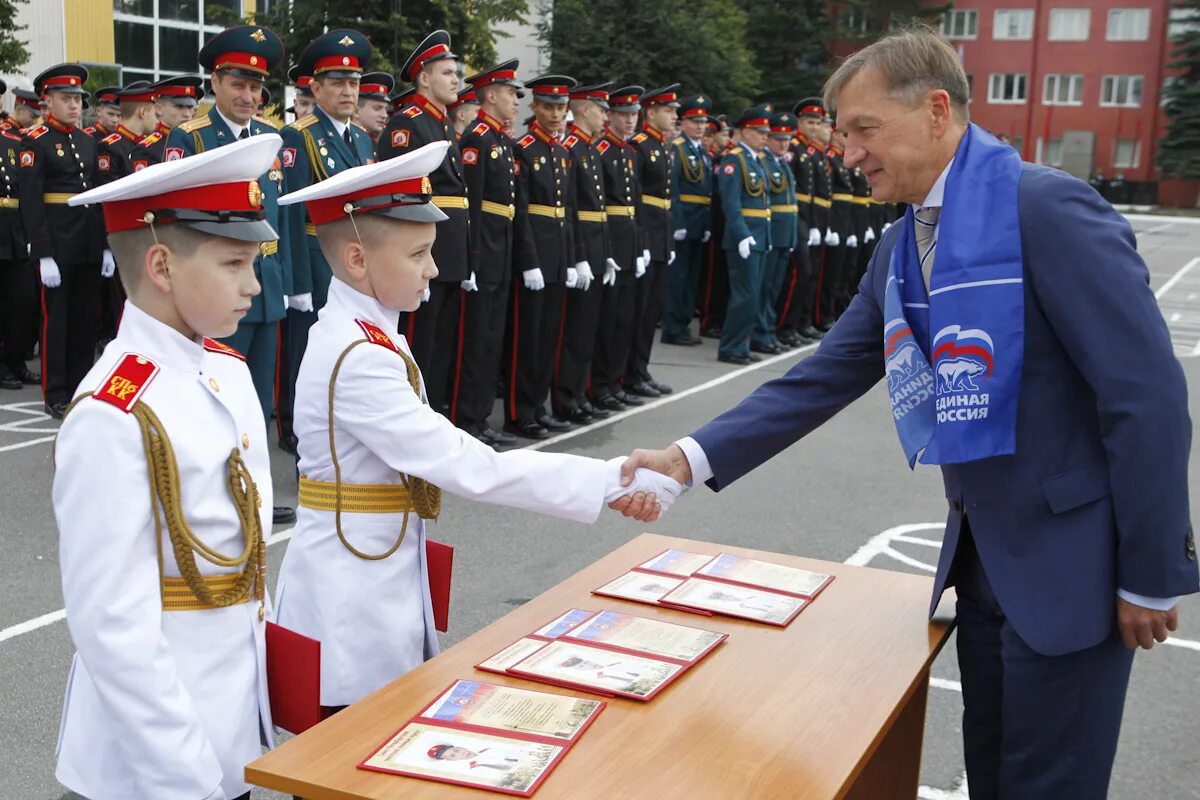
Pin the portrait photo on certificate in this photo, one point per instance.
(639, 586)
(455, 756)
(592, 667)
(650, 636)
(508, 708)
(737, 601)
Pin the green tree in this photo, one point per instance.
(1179, 149)
(790, 43)
(14, 51)
(698, 43)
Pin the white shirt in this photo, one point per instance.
(338, 125)
(234, 128)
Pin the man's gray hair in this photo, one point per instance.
(913, 63)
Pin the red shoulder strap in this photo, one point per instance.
(376, 335)
(125, 384)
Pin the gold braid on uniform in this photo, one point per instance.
(424, 497)
(691, 174)
(751, 190)
(777, 186)
(165, 494)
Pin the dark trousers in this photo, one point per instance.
(433, 337)
(294, 340)
(683, 283)
(69, 330)
(795, 306)
(18, 309)
(647, 312)
(112, 300)
(745, 289)
(577, 348)
(482, 318)
(775, 269)
(714, 286)
(614, 334)
(536, 317)
(259, 343)
(1035, 727)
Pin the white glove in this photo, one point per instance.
(469, 284)
(869, 236)
(108, 264)
(285, 303)
(886, 225)
(852, 241)
(646, 257)
(572, 277)
(832, 239)
(744, 246)
(534, 281)
(707, 235)
(611, 268)
(814, 237)
(301, 302)
(666, 490)
(671, 258)
(681, 234)
(639, 267)
(51, 277)
(584, 270)
(425, 295)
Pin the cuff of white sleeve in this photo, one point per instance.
(612, 479)
(697, 460)
(1152, 603)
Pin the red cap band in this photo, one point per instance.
(812, 110)
(495, 77)
(372, 88)
(623, 99)
(178, 91)
(336, 62)
(127, 215)
(596, 94)
(61, 80)
(247, 61)
(140, 97)
(328, 209)
(549, 88)
(756, 122)
(695, 112)
(420, 60)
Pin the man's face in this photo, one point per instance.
(692, 128)
(172, 114)
(623, 123)
(237, 97)
(457, 754)
(463, 115)
(721, 139)
(108, 116)
(304, 105)
(810, 127)
(661, 118)
(66, 107)
(337, 97)
(400, 264)
(439, 81)
(889, 140)
(373, 115)
(24, 116)
(212, 286)
(590, 116)
(754, 138)
(505, 104)
(550, 116)
(777, 145)
(825, 133)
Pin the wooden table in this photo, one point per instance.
(832, 706)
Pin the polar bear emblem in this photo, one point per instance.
(900, 366)
(958, 374)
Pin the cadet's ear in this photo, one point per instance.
(355, 259)
(157, 267)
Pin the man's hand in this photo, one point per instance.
(470, 284)
(108, 265)
(707, 235)
(50, 273)
(744, 246)
(610, 272)
(681, 234)
(1140, 627)
(670, 462)
(832, 239)
(583, 272)
(639, 267)
(301, 302)
(572, 278)
(814, 237)
(852, 241)
(534, 281)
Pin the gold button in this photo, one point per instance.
(213, 383)
(245, 442)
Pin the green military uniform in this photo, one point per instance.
(784, 230)
(691, 224)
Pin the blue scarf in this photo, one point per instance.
(953, 354)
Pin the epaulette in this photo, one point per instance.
(480, 129)
(677, 140)
(412, 112)
(202, 121)
(112, 138)
(90, 130)
(304, 122)
(269, 123)
(150, 138)
(735, 151)
(376, 335)
(125, 384)
(639, 138)
(360, 127)
(213, 346)
(527, 140)
(11, 135)
(38, 132)
(602, 147)
(570, 141)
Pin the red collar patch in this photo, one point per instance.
(213, 346)
(376, 335)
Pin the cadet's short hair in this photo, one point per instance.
(913, 62)
(129, 248)
(366, 228)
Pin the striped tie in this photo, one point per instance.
(926, 229)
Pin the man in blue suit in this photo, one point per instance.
(1026, 356)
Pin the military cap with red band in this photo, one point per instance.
(375, 86)
(810, 107)
(504, 73)
(597, 93)
(182, 90)
(28, 99)
(62, 78)
(108, 96)
(467, 95)
(435, 47)
(666, 96)
(249, 51)
(137, 92)
(553, 89)
(756, 117)
(697, 107)
(339, 53)
(626, 99)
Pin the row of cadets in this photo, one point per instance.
(175, 102)
(432, 330)
(691, 219)
(18, 275)
(797, 302)
(303, 100)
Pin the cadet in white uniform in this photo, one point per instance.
(355, 576)
(162, 494)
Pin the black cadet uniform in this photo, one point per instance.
(182, 90)
(18, 274)
(59, 161)
(796, 301)
(833, 288)
(860, 218)
(714, 279)
(433, 328)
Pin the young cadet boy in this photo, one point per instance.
(373, 454)
(162, 494)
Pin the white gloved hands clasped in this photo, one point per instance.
(832, 239)
(533, 279)
(469, 285)
(666, 490)
(852, 241)
(51, 275)
(869, 236)
(814, 237)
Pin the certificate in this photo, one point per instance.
(578, 665)
(639, 586)
(557, 627)
(517, 651)
(506, 708)
(737, 601)
(647, 636)
(676, 562)
(763, 574)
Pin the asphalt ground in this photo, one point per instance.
(842, 494)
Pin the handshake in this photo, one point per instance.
(648, 482)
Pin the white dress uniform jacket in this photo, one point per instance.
(374, 619)
(169, 705)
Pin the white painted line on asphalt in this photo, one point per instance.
(1161, 218)
(1157, 228)
(959, 792)
(30, 443)
(1178, 276)
(942, 683)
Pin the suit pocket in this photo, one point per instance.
(1077, 486)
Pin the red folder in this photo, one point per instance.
(293, 678)
(439, 559)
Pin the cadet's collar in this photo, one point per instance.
(143, 334)
(490, 121)
(581, 134)
(615, 139)
(100, 129)
(58, 126)
(360, 306)
(803, 140)
(128, 134)
(653, 132)
(429, 107)
(544, 135)
(833, 148)
(163, 129)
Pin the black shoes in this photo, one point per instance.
(282, 515)
(642, 389)
(56, 410)
(288, 443)
(628, 399)
(661, 387)
(579, 416)
(683, 341)
(551, 424)
(526, 429)
(606, 404)
(713, 332)
(741, 361)
(10, 381)
(766, 349)
(595, 413)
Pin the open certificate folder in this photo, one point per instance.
(653, 580)
(489, 737)
(749, 589)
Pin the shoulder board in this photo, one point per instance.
(304, 122)
(38, 132)
(150, 139)
(112, 138)
(480, 129)
(269, 124)
(639, 138)
(91, 129)
(570, 141)
(735, 151)
(11, 135)
(360, 127)
(376, 335)
(202, 121)
(602, 147)
(677, 140)
(412, 111)
(527, 140)
(213, 346)
(125, 384)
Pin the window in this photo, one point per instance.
(1069, 24)
(1128, 24)
(177, 48)
(1063, 90)
(1052, 154)
(142, 8)
(1121, 90)
(1013, 23)
(960, 24)
(1126, 153)
(1006, 88)
(134, 44)
(155, 39)
(856, 21)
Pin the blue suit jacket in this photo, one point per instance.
(1096, 495)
